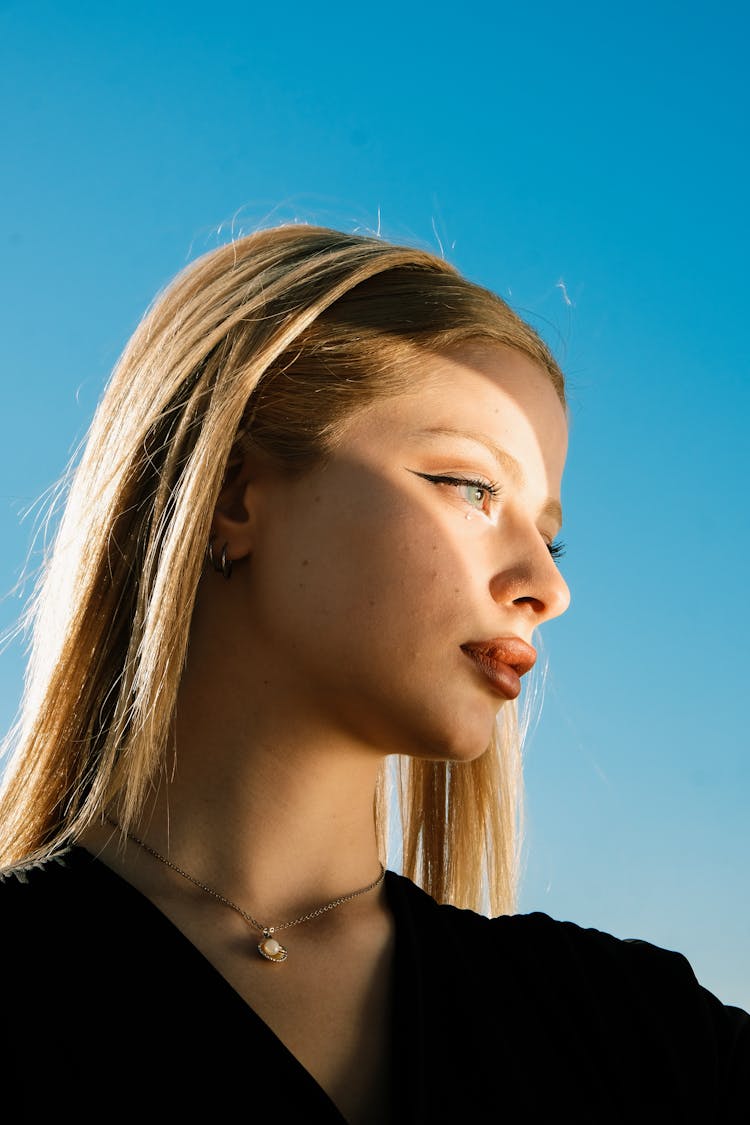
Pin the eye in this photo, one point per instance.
(475, 492)
(478, 494)
(557, 550)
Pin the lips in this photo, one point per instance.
(502, 661)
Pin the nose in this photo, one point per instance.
(529, 578)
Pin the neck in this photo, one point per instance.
(286, 830)
(268, 798)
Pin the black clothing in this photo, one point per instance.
(109, 1013)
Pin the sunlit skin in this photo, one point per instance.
(337, 641)
(362, 579)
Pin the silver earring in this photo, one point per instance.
(222, 565)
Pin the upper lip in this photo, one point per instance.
(514, 652)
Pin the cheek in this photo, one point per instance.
(397, 577)
(369, 610)
(388, 573)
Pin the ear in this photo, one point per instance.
(234, 520)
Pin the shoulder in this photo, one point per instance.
(540, 942)
(547, 950)
(45, 905)
(26, 882)
(35, 884)
(579, 977)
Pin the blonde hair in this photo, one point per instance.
(272, 340)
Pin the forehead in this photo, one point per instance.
(480, 391)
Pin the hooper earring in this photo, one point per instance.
(222, 565)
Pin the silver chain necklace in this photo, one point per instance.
(268, 946)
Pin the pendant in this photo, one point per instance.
(270, 948)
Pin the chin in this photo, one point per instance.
(451, 729)
(464, 744)
(456, 758)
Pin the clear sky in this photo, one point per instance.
(588, 162)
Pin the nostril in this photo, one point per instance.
(534, 603)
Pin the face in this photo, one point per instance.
(391, 593)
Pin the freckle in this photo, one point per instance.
(371, 602)
(317, 499)
(304, 562)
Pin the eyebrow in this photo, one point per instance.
(551, 508)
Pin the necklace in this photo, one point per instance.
(268, 946)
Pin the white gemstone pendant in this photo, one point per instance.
(271, 949)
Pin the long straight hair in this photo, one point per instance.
(271, 341)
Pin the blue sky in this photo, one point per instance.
(588, 163)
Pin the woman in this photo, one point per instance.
(314, 526)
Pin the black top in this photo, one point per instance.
(109, 1013)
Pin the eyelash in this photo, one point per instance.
(493, 490)
(490, 487)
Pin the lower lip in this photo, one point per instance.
(501, 677)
